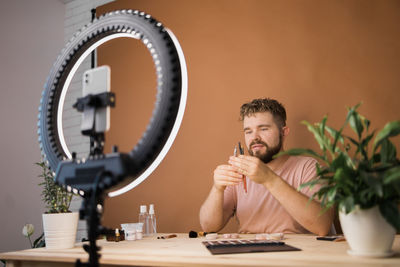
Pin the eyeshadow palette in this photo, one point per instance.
(246, 246)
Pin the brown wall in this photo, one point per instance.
(316, 57)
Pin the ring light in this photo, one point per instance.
(167, 115)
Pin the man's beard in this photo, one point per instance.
(271, 151)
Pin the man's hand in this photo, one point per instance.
(253, 168)
(225, 175)
(213, 217)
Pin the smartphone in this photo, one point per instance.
(96, 81)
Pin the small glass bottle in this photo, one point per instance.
(139, 231)
(152, 221)
(144, 218)
(117, 235)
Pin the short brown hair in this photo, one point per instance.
(265, 105)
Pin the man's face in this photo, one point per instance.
(262, 135)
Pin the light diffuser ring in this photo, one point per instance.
(170, 99)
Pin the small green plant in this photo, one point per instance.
(355, 171)
(28, 231)
(56, 198)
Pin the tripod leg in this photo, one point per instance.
(90, 212)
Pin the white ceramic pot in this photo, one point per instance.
(367, 232)
(60, 229)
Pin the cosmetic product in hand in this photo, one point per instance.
(144, 218)
(152, 221)
(241, 151)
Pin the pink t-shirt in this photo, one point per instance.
(258, 211)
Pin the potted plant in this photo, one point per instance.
(59, 223)
(360, 176)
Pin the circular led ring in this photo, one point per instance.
(171, 95)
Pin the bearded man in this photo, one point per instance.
(272, 203)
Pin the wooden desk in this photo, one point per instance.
(182, 251)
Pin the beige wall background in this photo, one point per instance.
(32, 35)
(316, 57)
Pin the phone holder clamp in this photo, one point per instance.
(89, 104)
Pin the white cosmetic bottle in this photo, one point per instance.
(144, 218)
(152, 221)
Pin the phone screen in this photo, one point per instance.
(97, 81)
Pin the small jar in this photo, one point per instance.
(129, 230)
(130, 234)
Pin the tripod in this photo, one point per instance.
(92, 206)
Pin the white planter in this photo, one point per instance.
(367, 232)
(60, 229)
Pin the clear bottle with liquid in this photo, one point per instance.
(152, 221)
(144, 218)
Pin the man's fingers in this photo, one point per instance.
(225, 181)
(249, 162)
(228, 174)
(227, 170)
(239, 165)
(248, 159)
(229, 180)
(238, 162)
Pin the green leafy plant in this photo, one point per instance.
(56, 198)
(28, 231)
(355, 171)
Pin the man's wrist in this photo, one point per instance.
(272, 181)
(219, 189)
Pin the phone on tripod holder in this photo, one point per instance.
(96, 81)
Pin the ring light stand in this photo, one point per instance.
(115, 173)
